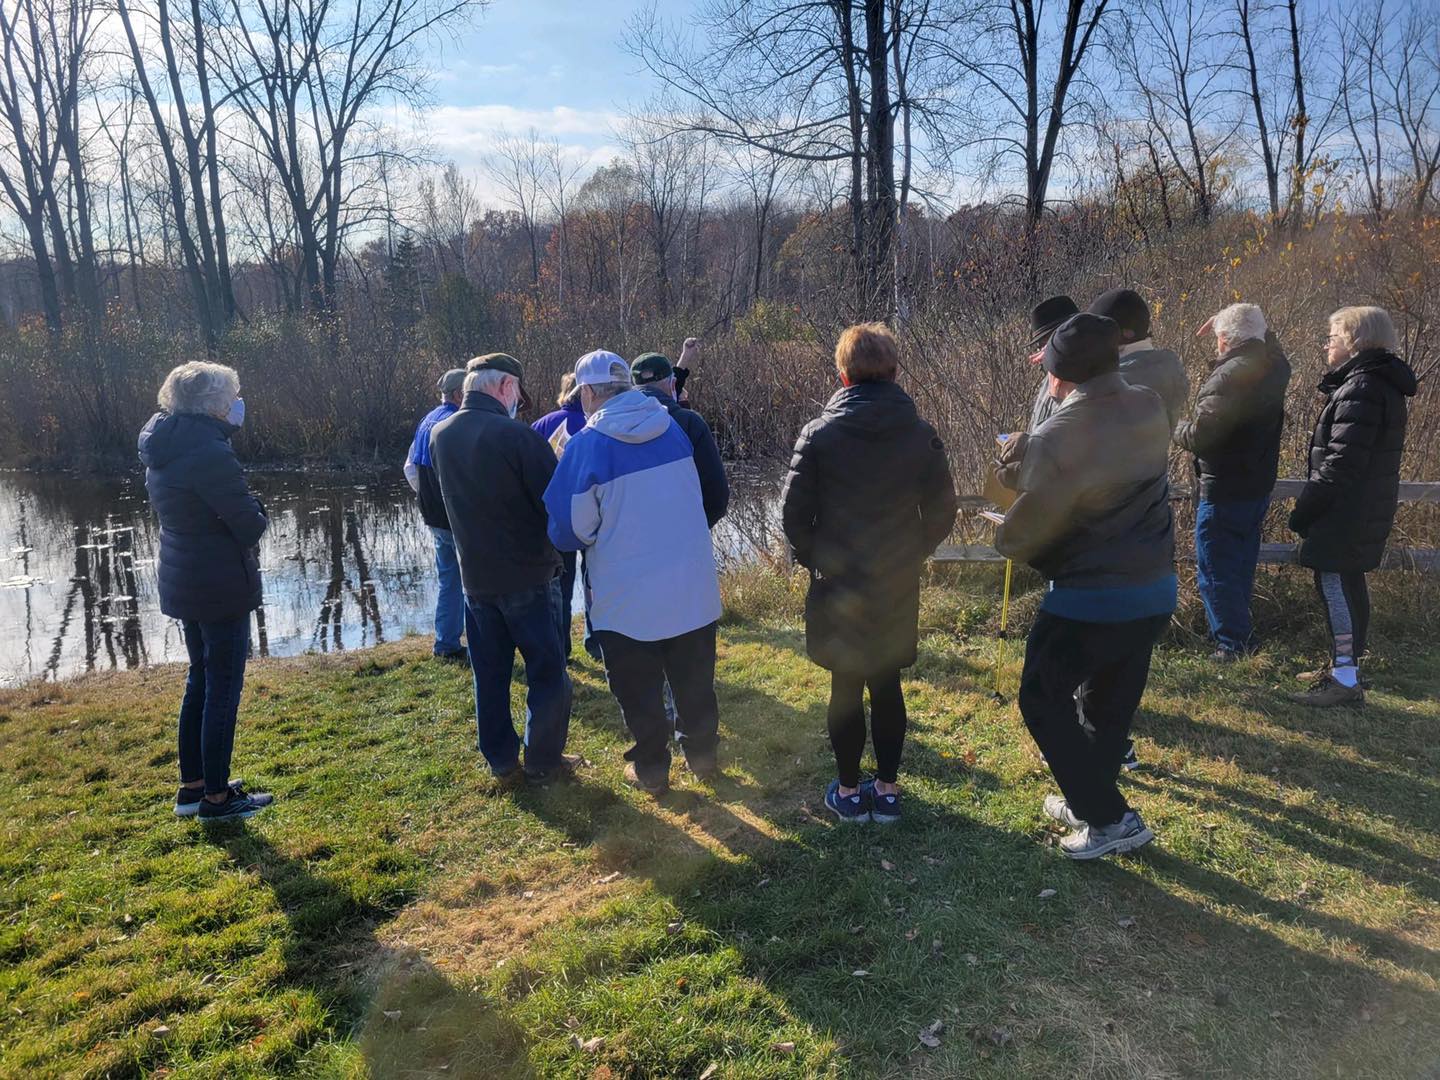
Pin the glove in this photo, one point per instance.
(1310, 504)
(1299, 523)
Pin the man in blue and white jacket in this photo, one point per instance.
(626, 492)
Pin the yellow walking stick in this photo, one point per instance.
(1004, 622)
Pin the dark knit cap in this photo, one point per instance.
(1047, 315)
(1084, 346)
(651, 367)
(1129, 310)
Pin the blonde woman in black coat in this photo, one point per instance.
(868, 498)
(1347, 507)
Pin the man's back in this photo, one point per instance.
(493, 471)
(1162, 371)
(1094, 494)
(627, 492)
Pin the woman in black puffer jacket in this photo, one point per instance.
(867, 499)
(208, 570)
(1345, 511)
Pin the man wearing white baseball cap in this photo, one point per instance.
(627, 493)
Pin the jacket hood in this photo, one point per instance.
(632, 417)
(870, 410)
(1377, 362)
(167, 437)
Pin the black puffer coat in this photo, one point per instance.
(209, 522)
(867, 499)
(1347, 506)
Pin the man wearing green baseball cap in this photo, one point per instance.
(655, 376)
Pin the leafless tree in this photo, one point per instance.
(1020, 83)
(44, 47)
(311, 77)
(1177, 67)
(188, 143)
(518, 167)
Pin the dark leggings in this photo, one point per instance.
(846, 720)
(1346, 600)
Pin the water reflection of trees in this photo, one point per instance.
(104, 562)
(345, 565)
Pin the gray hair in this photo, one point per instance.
(199, 387)
(486, 380)
(1240, 322)
(606, 390)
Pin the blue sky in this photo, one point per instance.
(556, 65)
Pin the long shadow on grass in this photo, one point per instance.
(403, 1013)
(1411, 798)
(1301, 828)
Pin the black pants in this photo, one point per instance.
(846, 720)
(637, 672)
(1101, 668)
(1346, 600)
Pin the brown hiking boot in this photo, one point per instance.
(1324, 673)
(564, 769)
(1328, 693)
(656, 786)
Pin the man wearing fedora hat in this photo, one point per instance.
(1045, 319)
(1092, 514)
(449, 596)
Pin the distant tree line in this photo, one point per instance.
(248, 178)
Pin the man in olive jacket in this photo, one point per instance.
(493, 471)
(1093, 516)
(1234, 434)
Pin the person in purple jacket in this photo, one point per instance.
(571, 417)
(567, 413)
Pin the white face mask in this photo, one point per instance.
(236, 415)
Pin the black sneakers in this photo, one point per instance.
(237, 806)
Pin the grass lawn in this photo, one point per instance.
(396, 914)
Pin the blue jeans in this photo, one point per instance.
(450, 599)
(1227, 546)
(218, 651)
(528, 620)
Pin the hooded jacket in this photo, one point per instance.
(570, 415)
(1347, 506)
(208, 568)
(714, 487)
(1238, 420)
(626, 492)
(1143, 365)
(1093, 512)
(867, 499)
(493, 470)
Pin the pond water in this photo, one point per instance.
(347, 564)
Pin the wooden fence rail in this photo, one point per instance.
(1396, 558)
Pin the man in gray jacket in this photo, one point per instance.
(1093, 516)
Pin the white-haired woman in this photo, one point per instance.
(209, 572)
(1345, 511)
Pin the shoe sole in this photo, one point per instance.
(1123, 844)
(232, 817)
(192, 810)
(884, 819)
(846, 818)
